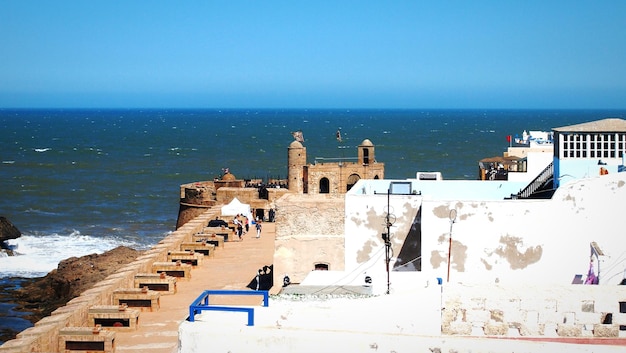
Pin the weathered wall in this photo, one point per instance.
(366, 221)
(309, 230)
(507, 241)
(531, 310)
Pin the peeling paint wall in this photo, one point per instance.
(365, 223)
(506, 241)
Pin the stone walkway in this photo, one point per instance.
(232, 267)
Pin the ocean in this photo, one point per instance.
(77, 182)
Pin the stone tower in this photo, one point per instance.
(296, 159)
(366, 154)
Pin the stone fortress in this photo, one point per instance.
(325, 176)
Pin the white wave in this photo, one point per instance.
(8, 162)
(38, 255)
(42, 149)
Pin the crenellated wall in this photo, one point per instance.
(43, 336)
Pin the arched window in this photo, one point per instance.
(352, 179)
(366, 156)
(324, 186)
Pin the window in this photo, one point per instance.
(321, 266)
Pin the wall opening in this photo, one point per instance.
(352, 179)
(324, 186)
(366, 156)
(321, 266)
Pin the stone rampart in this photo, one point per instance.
(75, 313)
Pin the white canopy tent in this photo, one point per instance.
(235, 207)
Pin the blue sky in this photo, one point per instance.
(313, 54)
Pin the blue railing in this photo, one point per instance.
(202, 303)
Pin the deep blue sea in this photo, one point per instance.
(75, 182)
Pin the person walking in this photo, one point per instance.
(258, 229)
(239, 226)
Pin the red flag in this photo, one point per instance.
(508, 138)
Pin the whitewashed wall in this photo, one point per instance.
(507, 241)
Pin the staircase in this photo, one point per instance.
(542, 187)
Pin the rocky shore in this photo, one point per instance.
(38, 297)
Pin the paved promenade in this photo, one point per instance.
(232, 267)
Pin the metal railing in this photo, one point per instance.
(546, 174)
(202, 303)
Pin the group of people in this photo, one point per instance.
(244, 223)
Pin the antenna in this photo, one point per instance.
(452, 217)
(390, 219)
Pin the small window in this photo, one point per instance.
(321, 266)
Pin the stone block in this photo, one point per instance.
(114, 317)
(600, 330)
(212, 238)
(187, 257)
(567, 330)
(459, 328)
(203, 248)
(159, 282)
(139, 298)
(496, 329)
(174, 269)
(86, 339)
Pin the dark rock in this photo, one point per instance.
(7, 230)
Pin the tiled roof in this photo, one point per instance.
(604, 125)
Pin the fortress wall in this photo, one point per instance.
(44, 337)
(309, 230)
(534, 310)
(226, 194)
